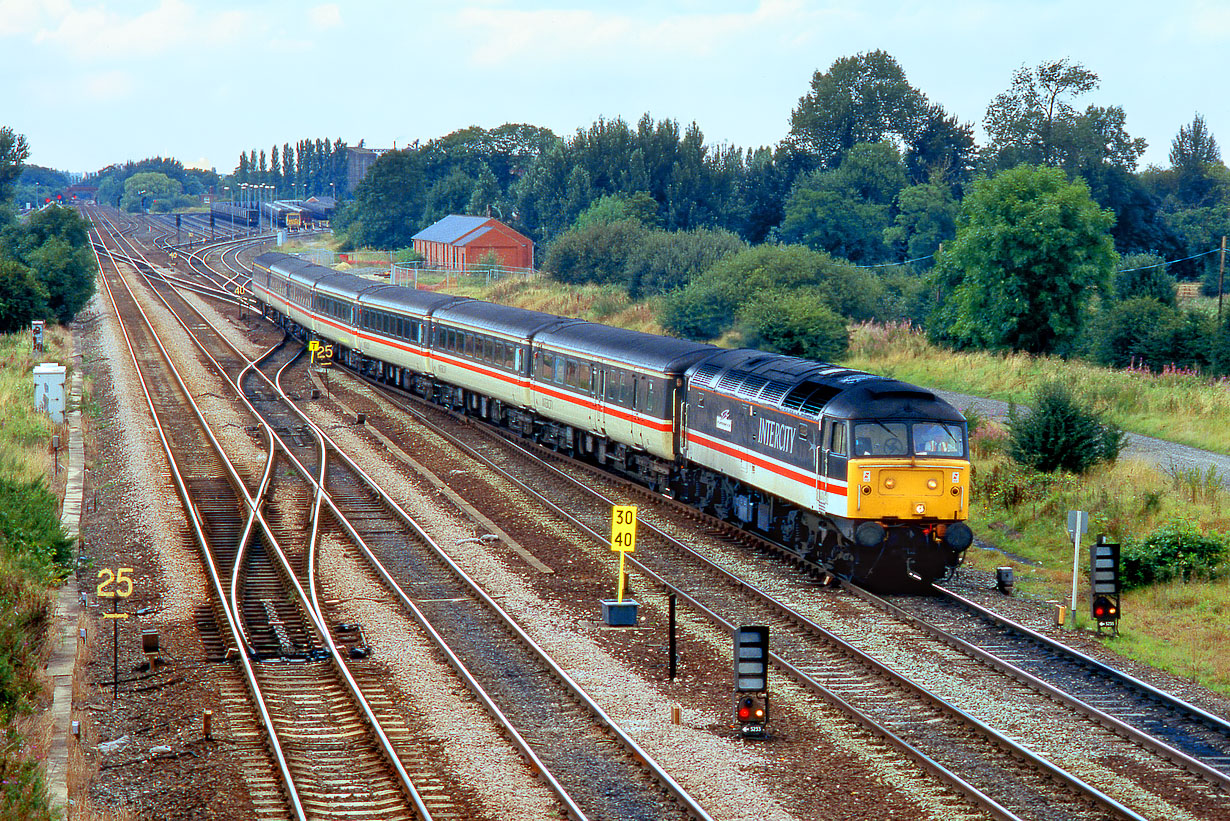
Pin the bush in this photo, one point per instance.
(597, 253)
(707, 307)
(667, 260)
(1177, 550)
(1145, 275)
(1143, 329)
(795, 323)
(1061, 434)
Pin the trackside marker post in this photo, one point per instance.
(115, 585)
(1078, 523)
(619, 613)
(623, 538)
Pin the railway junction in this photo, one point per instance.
(347, 603)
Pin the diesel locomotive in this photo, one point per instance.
(865, 475)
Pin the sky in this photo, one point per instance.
(94, 83)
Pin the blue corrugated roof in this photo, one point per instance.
(450, 229)
(471, 237)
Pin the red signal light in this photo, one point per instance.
(745, 709)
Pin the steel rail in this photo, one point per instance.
(203, 544)
(315, 617)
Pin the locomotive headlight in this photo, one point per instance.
(920, 508)
(890, 483)
(932, 484)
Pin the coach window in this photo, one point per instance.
(570, 379)
(510, 354)
(561, 365)
(649, 398)
(585, 377)
(546, 367)
(520, 359)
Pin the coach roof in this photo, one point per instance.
(502, 319)
(400, 299)
(662, 354)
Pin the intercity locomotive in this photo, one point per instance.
(865, 475)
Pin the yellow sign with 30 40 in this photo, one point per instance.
(623, 528)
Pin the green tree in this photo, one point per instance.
(596, 253)
(143, 189)
(1145, 275)
(1030, 248)
(486, 193)
(708, 306)
(639, 207)
(388, 202)
(1028, 122)
(1146, 332)
(794, 323)
(67, 273)
(666, 260)
(860, 99)
(1219, 349)
(450, 195)
(926, 216)
(1199, 178)
(22, 297)
(13, 153)
(1061, 433)
(846, 211)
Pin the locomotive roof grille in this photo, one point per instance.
(774, 391)
(810, 397)
(705, 373)
(750, 387)
(900, 392)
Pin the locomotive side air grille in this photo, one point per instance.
(751, 386)
(704, 375)
(774, 391)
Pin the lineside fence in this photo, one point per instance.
(413, 274)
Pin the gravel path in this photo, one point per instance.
(1157, 452)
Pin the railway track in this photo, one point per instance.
(335, 758)
(1192, 738)
(593, 766)
(1028, 792)
(608, 778)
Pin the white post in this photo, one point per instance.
(1076, 557)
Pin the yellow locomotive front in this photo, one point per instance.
(908, 491)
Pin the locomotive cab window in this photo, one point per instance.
(837, 437)
(938, 439)
(881, 439)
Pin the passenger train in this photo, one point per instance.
(865, 475)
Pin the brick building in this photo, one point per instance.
(459, 243)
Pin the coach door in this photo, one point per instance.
(831, 458)
(601, 375)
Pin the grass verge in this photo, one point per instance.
(1178, 626)
(33, 558)
(1187, 409)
